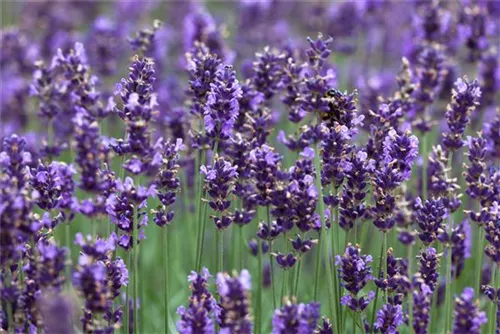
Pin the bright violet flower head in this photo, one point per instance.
(468, 317)
(295, 318)
(234, 316)
(464, 100)
(198, 317)
(222, 104)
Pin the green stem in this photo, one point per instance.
(322, 244)
(271, 262)
(479, 258)
(284, 285)
(166, 245)
(220, 250)
(135, 250)
(374, 310)
(492, 306)
(410, 295)
(424, 165)
(297, 277)
(200, 218)
(334, 226)
(70, 260)
(242, 245)
(384, 261)
(258, 322)
(449, 283)
(127, 296)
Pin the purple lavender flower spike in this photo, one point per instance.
(430, 74)
(264, 166)
(468, 317)
(167, 181)
(267, 73)
(492, 135)
(325, 327)
(473, 30)
(286, 261)
(296, 318)
(398, 155)
(429, 216)
(421, 308)
(222, 104)
(465, 98)
(56, 312)
(53, 185)
(197, 318)
(489, 77)
(99, 279)
(104, 45)
(355, 272)
(352, 201)
(234, 316)
(144, 39)
(428, 272)
(389, 318)
(219, 181)
(120, 208)
(461, 240)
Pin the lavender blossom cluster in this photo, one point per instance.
(352, 177)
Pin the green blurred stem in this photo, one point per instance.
(424, 165)
(271, 262)
(242, 245)
(297, 277)
(220, 251)
(166, 259)
(284, 285)
(384, 261)
(201, 222)
(449, 283)
(410, 295)
(135, 250)
(322, 240)
(479, 258)
(127, 296)
(258, 323)
(380, 264)
(493, 305)
(335, 240)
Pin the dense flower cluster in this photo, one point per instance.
(302, 151)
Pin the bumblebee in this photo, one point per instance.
(335, 113)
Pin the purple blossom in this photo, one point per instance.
(264, 168)
(222, 104)
(197, 318)
(219, 181)
(355, 272)
(52, 185)
(295, 318)
(122, 206)
(234, 316)
(352, 201)
(421, 308)
(430, 216)
(104, 45)
(465, 98)
(267, 72)
(428, 272)
(167, 181)
(468, 318)
(389, 318)
(99, 279)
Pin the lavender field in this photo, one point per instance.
(237, 167)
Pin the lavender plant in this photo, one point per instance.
(380, 134)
